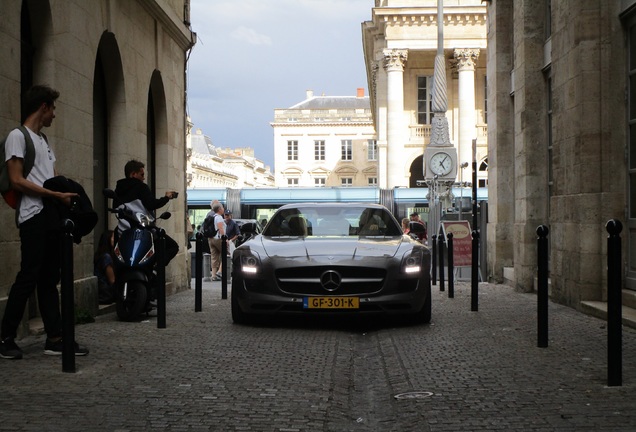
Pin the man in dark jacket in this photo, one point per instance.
(133, 187)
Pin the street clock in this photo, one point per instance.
(441, 163)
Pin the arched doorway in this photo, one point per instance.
(416, 171)
(108, 115)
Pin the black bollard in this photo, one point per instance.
(542, 286)
(440, 257)
(161, 279)
(68, 297)
(614, 304)
(198, 273)
(474, 277)
(224, 266)
(434, 264)
(451, 280)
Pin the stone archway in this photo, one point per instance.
(157, 137)
(109, 113)
(416, 171)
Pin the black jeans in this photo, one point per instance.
(39, 268)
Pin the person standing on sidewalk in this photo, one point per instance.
(39, 243)
(232, 232)
(215, 242)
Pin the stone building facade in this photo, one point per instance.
(209, 166)
(120, 67)
(400, 46)
(561, 143)
(325, 141)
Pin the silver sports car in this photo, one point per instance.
(331, 259)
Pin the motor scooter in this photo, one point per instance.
(135, 258)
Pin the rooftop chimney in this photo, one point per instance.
(360, 92)
(310, 94)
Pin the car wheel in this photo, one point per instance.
(423, 316)
(238, 316)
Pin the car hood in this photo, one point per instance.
(351, 247)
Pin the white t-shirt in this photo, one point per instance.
(218, 218)
(43, 168)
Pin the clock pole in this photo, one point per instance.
(440, 156)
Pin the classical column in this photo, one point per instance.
(466, 59)
(394, 62)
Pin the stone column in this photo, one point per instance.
(394, 62)
(466, 59)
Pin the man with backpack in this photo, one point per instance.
(40, 263)
(213, 228)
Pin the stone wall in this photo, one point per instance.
(105, 58)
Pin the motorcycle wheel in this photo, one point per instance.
(135, 302)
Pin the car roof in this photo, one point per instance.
(332, 204)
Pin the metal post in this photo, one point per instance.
(434, 264)
(451, 282)
(614, 306)
(542, 286)
(198, 272)
(474, 277)
(161, 280)
(440, 256)
(224, 266)
(68, 297)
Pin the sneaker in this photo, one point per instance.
(55, 348)
(9, 349)
(219, 274)
(216, 279)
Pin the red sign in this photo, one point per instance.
(462, 241)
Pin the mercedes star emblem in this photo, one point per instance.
(330, 280)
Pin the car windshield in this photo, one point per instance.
(328, 220)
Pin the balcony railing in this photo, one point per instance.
(422, 133)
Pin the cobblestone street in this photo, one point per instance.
(466, 371)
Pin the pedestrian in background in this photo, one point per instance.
(405, 225)
(215, 241)
(232, 232)
(104, 267)
(421, 231)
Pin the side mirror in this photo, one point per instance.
(165, 215)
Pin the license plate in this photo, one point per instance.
(331, 302)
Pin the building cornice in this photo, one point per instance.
(427, 16)
(323, 124)
(170, 22)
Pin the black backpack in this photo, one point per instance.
(208, 229)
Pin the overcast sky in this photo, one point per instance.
(253, 56)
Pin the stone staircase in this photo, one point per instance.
(599, 309)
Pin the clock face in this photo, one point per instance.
(441, 163)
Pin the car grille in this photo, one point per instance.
(331, 280)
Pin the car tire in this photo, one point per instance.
(423, 316)
(238, 316)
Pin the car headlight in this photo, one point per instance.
(250, 262)
(412, 261)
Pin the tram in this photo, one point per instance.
(261, 203)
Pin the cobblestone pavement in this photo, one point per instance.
(472, 371)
